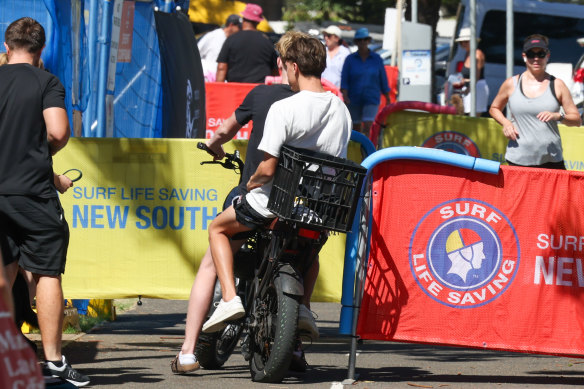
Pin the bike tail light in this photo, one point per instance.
(310, 234)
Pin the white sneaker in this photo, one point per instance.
(225, 311)
(306, 322)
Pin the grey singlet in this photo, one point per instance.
(538, 142)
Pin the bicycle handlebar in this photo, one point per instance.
(232, 161)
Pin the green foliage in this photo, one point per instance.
(123, 305)
(87, 323)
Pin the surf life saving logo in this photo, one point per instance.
(454, 142)
(464, 253)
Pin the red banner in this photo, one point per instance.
(465, 258)
(222, 99)
(18, 365)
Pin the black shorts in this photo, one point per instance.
(34, 232)
(248, 216)
(548, 165)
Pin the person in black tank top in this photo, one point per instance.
(482, 90)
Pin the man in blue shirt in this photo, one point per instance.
(363, 80)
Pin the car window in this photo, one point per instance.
(561, 31)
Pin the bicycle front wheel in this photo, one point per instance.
(274, 336)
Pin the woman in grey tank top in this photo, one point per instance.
(534, 99)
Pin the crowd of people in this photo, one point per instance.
(34, 234)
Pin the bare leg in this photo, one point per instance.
(200, 299)
(11, 270)
(366, 127)
(221, 229)
(50, 308)
(6, 290)
(30, 282)
(310, 281)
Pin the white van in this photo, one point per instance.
(562, 23)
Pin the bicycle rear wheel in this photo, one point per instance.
(214, 349)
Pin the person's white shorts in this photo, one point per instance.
(482, 97)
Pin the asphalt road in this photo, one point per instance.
(135, 352)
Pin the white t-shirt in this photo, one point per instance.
(209, 47)
(334, 66)
(309, 120)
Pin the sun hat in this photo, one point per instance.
(464, 35)
(233, 19)
(253, 12)
(362, 33)
(332, 30)
(535, 43)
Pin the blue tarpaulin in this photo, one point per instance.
(75, 41)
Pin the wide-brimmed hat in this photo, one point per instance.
(362, 33)
(332, 30)
(464, 35)
(253, 12)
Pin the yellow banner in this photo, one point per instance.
(217, 11)
(139, 217)
(479, 137)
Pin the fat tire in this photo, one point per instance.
(207, 349)
(276, 367)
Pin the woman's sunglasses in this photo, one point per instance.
(536, 54)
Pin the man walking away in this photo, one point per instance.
(33, 231)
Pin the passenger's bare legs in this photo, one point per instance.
(200, 299)
(50, 309)
(220, 230)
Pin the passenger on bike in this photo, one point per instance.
(312, 119)
(254, 107)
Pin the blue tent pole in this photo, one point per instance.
(91, 50)
(104, 40)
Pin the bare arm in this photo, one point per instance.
(497, 106)
(264, 173)
(480, 60)
(58, 131)
(221, 72)
(224, 134)
(572, 116)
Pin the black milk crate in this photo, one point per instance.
(316, 189)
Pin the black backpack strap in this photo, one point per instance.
(553, 88)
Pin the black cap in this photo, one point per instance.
(535, 43)
(233, 19)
